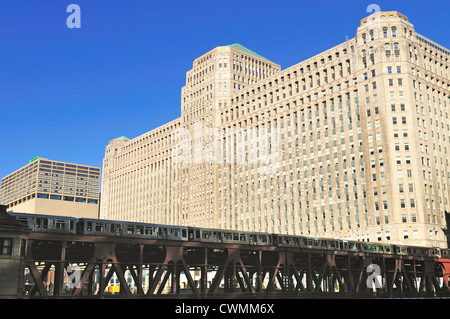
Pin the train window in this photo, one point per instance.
(99, 227)
(183, 233)
(59, 224)
(197, 234)
(130, 230)
(242, 237)
(89, 226)
(139, 230)
(164, 231)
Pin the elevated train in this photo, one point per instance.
(98, 227)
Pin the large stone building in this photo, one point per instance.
(53, 188)
(352, 143)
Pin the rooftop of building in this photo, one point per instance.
(383, 15)
(243, 49)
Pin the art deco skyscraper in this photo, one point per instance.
(357, 137)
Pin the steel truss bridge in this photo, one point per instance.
(69, 265)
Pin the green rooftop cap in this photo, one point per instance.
(243, 49)
(122, 138)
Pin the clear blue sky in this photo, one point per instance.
(64, 93)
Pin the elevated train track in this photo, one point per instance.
(175, 261)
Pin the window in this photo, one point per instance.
(402, 203)
(397, 50)
(405, 234)
(5, 246)
(394, 32)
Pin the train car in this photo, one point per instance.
(346, 245)
(310, 243)
(445, 253)
(228, 236)
(288, 241)
(330, 244)
(98, 227)
(48, 223)
(434, 252)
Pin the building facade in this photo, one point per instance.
(351, 143)
(53, 188)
